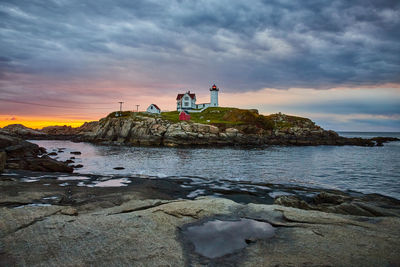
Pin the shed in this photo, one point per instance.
(184, 116)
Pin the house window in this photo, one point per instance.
(186, 98)
(186, 104)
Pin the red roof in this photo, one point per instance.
(181, 95)
(156, 106)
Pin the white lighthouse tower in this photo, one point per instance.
(214, 96)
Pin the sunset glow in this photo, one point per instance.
(40, 122)
(66, 63)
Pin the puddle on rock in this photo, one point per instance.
(217, 238)
(112, 183)
(67, 178)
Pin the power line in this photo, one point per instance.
(44, 105)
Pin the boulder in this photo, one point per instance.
(43, 164)
(292, 201)
(329, 198)
(69, 211)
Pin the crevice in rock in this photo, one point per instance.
(273, 223)
(32, 222)
(323, 222)
(138, 209)
(179, 215)
(13, 204)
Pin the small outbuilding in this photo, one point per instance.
(184, 116)
(153, 108)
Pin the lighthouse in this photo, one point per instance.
(214, 96)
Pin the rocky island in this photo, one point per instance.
(216, 126)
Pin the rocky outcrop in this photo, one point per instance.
(143, 130)
(22, 131)
(66, 131)
(24, 155)
(146, 224)
(365, 205)
(50, 132)
(149, 232)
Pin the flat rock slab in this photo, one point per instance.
(149, 233)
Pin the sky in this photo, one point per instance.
(336, 62)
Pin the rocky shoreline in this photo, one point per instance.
(146, 223)
(51, 216)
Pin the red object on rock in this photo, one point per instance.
(184, 116)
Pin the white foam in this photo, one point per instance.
(196, 193)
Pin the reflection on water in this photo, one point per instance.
(364, 169)
(217, 238)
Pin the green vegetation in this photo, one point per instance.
(226, 117)
(221, 116)
(214, 115)
(282, 121)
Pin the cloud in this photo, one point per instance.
(363, 109)
(245, 45)
(78, 52)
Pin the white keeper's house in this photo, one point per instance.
(153, 108)
(187, 101)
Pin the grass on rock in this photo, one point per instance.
(225, 117)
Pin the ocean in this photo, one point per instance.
(360, 169)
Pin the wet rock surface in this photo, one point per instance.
(144, 223)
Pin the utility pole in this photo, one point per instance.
(120, 108)
(137, 108)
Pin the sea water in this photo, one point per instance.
(362, 169)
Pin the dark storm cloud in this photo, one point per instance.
(243, 45)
